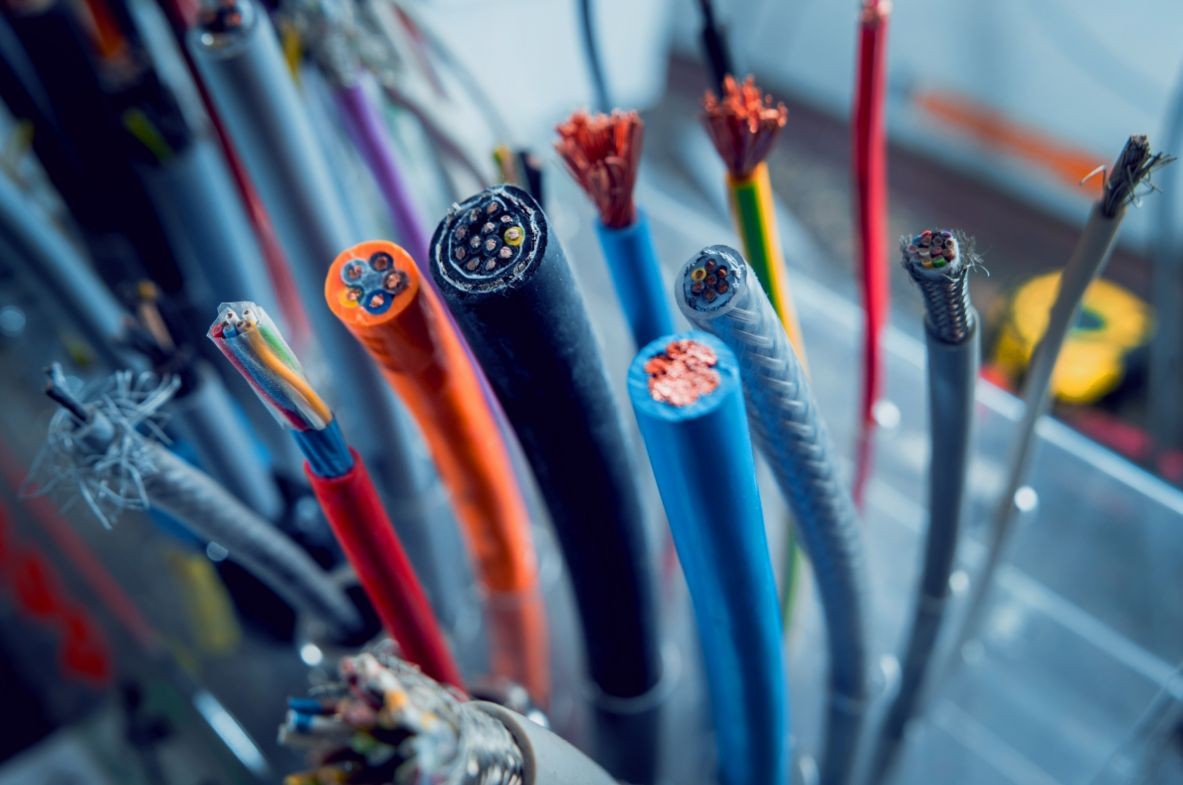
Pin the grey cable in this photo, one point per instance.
(725, 300)
(952, 338)
(104, 444)
(1134, 165)
(1166, 347)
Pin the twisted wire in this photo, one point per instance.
(788, 429)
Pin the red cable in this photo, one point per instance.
(870, 175)
(360, 523)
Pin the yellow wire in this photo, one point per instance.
(270, 361)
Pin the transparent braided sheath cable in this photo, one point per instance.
(210, 512)
(788, 430)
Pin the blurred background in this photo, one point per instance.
(140, 653)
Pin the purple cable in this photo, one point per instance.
(366, 128)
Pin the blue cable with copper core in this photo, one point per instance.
(686, 394)
(719, 293)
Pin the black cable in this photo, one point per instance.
(591, 51)
(715, 48)
(506, 279)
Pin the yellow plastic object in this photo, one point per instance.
(1113, 322)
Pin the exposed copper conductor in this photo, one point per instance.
(743, 124)
(683, 373)
(602, 153)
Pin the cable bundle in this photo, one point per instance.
(376, 290)
(870, 179)
(685, 391)
(602, 153)
(248, 338)
(940, 267)
(716, 293)
(506, 279)
(385, 723)
(105, 444)
(1133, 167)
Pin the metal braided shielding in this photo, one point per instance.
(787, 428)
(950, 316)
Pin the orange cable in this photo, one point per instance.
(424, 361)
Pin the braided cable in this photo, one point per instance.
(716, 293)
(950, 316)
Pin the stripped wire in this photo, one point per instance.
(870, 178)
(940, 266)
(1124, 185)
(386, 722)
(245, 334)
(716, 293)
(106, 444)
(602, 152)
(743, 124)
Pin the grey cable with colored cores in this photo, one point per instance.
(940, 269)
(718, 293)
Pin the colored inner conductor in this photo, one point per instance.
(489, 235)
(372, 283)
(932, 249)
(709, 282)
(683, 373)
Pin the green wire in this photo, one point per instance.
(753, 231)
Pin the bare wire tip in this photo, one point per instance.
(1133, 168)
(602, 152)
(683, 373)
(743, 124)
(57, 389)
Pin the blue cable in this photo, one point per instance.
(701, 454)
(632, 263)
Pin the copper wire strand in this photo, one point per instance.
(743, 124)
(683, 373)
(602, 152)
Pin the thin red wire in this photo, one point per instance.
(870, 175)
(361, 526)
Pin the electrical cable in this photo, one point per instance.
(870, 180)
(743, 125)
(718, 293)
(383, 723)
(248, 338)
(1133, 167)
(593, 56)
(105, 444)
(602, 153)
(715, 48)
(686, 394)
(57, 268)
(377, 291)
(1166, 423)
(513, 295)
(940, 267)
